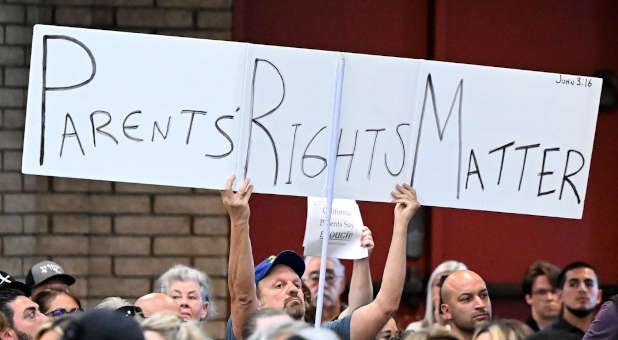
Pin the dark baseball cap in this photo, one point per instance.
(103, 324)
(7, 281)
(46, 270)
(286, 257)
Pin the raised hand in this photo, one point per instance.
(237, 203)
(407, 204)
(367, 239)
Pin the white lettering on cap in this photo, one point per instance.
(50, 266)
(6, 279)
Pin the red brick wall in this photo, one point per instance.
(116, 238)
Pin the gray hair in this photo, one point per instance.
(171, 327)
(112, 302)
(317, 333)
(251, 324)
(275, 331)
(180, 272)
(339, 267)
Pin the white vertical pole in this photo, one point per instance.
(332, 160)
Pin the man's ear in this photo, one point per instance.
(599, 297)
(528, 299)
(8, 334)
(204, 311)
(446, 312)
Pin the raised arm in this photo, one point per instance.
(367, 321)
(241, 278)
(361, 289)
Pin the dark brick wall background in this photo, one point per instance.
(116, 238)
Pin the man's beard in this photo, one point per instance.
(468, 327)
(327, 300)
(295, 307)
(580, 313)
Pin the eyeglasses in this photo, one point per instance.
(329, 276)
(544, 292)
(61, 311)
(131, 311)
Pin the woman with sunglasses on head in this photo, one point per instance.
(54, 302)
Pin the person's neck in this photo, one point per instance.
(542, 322)
(464, 335)
(331, 313)
(581, 323)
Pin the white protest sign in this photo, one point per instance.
(346, 227)
(189, 112)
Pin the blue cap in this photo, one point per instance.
(286, 257)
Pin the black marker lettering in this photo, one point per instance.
(45, 88)
(130, 127)
(373, 149)
(193, 113)
(545, 173)
(351, 155)
(295, 125)
(68, 119)
(305, 156)
(100, 127)
(503, 148)
(523, 166)
(255, 120)
(565, 177)
(403, 150)
(225, 154)
(477, 171)
(155, 125)
(429, 88)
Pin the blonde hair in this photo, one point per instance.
(57, 325)
(504, 329)
(171, 327)
(434, 332)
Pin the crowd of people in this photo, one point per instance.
(277, 298)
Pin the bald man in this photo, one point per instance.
(157, 303)
(465, 302)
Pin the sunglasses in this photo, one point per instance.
(131, 311)
(61, 311)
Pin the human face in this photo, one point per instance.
(544, 300)
(389, 331)
(26, 315)
(61, 304)
(333, 284)
(467, 303)
(581, 289)
(188, 297)
(281, 289)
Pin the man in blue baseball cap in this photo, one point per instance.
(276, 281)
(271, 272)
